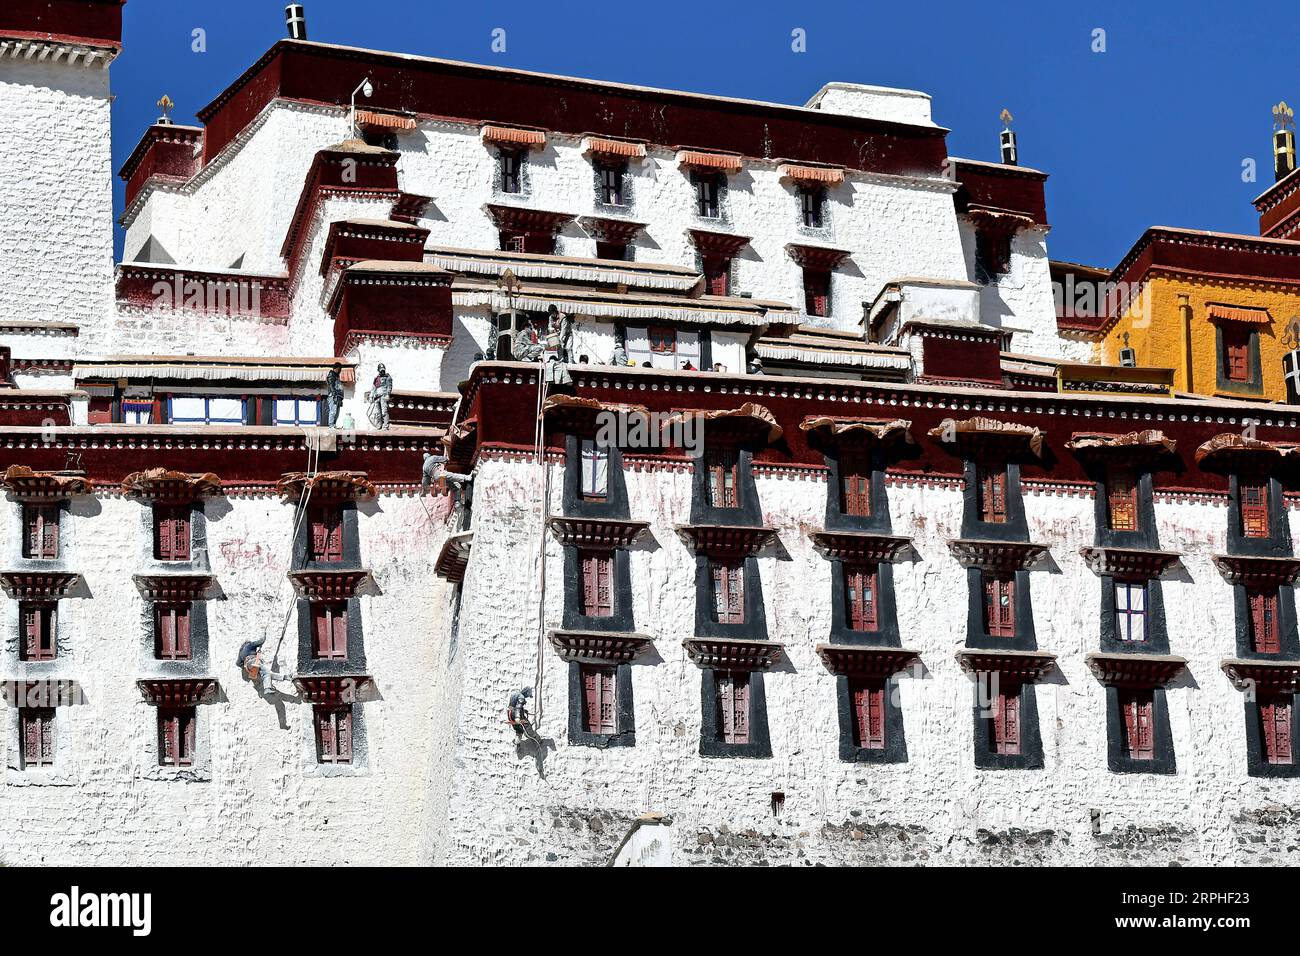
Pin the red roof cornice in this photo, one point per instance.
(87, 22)
(473, 93)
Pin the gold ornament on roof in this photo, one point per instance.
(166, 105)
(1006, 118)
(1283, 116)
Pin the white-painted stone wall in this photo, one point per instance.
(262, 799)
(502, 810)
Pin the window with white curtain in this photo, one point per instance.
(206, 410)
(297, 411)
(595, 470)
(663, 347)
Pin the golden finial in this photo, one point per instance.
(1006, 118)
(166, 105)
(1283, 116)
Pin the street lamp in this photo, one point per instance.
(366, 89)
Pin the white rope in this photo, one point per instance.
(313, 459)
(539, 437)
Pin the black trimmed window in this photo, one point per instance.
(171, 532)
(599, 698)
(510, 163)
(991, 490)
(1122, 499)
(723, 464)
(593, 485)
(728, 578)
(867, 699)
(171, 631)
(812, 206)
(1132, 609)
(1137, 719)
(1005, 726)
(1276, 728)
(333, 726)
(40, 621)
(1262, 623)
(999, 603)
(176, 734)
(861, 596)
(817, 291)
(329, 630)
(325, 540)
(1252, 493)
(855, 482)
(40, 531)
(597, 583)
(717, 274)
(36, 727)
(610, 183)
(708, 195)
(733, 706)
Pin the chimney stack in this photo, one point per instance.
(295, 18)
(1008, 140)
(1283, 141)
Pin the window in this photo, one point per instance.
(40, 630)
(724, 485)
(598, 698)
(1275, 729)
(817, 291)
(1236, 352)
(717, 275)
(205, 410)
(663, 347)
(41, 531)
(1254, 508)
(171, 533)
(860, 596)
(1263, 621)
(325, 542)
(868, 713)
(512, 241)
(611, 250)
(1121, 500)
(171, 631)
(707, 195)
(1000, 605)
(1005, 726)
(610, 189)
(512, 171)
(37, 724)
(1131, 611)
(137, 411)
(1136, 707)
(855, 484)
(597, 585)
(992, 490)
(333, 734)
(728, 591)
(329, 628)
(992, 255)
(594, 478)
(812, 201)
(297, 411)
(176, 736)
(733, 706)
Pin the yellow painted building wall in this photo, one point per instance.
(1155, 327)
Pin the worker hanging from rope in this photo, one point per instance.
(249, 660)
(517, 716)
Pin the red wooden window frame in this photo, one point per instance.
(1236, 352)
(723, 464)
(325, 535)
(171, 532)
(171, 630)
(36, 727)
(733, 706)
(597, 583)
(817, 291)
(333, 733)
(176, 736)
(1264, 636)
(40, 531)
(1000, 604)
(868, 699)
(512, 170)
(861, 596)
(1275, 729)
(1137, 713)
(510, 241)
(855, 483)
(1121, 499)
(599, 698)
(611, 183)
(717, 275)
(708, 195)
(728, 591)
(1253, 495)
(40, 630)
(992, 491)
(812, 206)
(1006, 724)
(329, 630)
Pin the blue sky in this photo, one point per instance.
(1151, 132)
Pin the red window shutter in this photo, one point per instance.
(326, 739)
(41, 531)
(1006, 721)
(740, 702)
(327, 534)
(166, 621)
(31, 631)
(598, 699)
(993, 494)
(860, 590)
(1236, 353)
(1254, 509)
(344, 734)
(724, 485)
(1121, 497)
(869, 714)
(340, 632)
(1137, 707)
(168, 736)
(31, 737)
(322, 631)
(1000, 605)
(187, 719)
(816, 291)
(855, 480)
(49, 532)
(1275, 726)
(183, 632)
(717, 275)
(330, 630)
(171, 533)
(728, 592)
(32, 526)
(597, 587)
(1263, 622)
